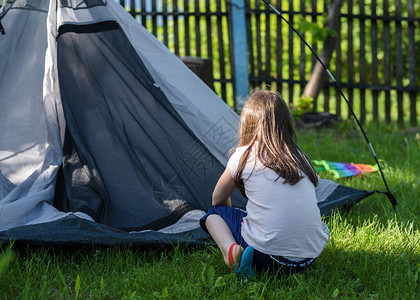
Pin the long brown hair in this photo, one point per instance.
(266, 119)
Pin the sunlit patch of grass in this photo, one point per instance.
(373, 252)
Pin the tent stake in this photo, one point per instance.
(388, 193)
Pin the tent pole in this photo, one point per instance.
(240, 53)
(388, 193)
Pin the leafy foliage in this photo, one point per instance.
(304, 104)
(319, 31)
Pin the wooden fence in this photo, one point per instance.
(376, 60)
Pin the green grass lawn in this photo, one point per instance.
(374, 251)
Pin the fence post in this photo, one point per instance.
(240, 52)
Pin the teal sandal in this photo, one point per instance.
(245, 268)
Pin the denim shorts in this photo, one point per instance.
(263, 262)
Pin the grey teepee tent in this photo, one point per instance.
(106, 137)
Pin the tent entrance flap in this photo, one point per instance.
(134, 149)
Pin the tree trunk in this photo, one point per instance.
(319, 75)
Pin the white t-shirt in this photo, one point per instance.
(282, 219)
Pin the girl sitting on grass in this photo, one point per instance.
(281, 229)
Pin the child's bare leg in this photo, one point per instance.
(223, 237)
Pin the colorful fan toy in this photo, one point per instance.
(339, 170)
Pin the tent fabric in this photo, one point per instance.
(74, 231)
(192, 99)
(332, 196)
(196, 166)
(128, 144)
(106, 137)
(27, 166)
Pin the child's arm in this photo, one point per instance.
(224, 188)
